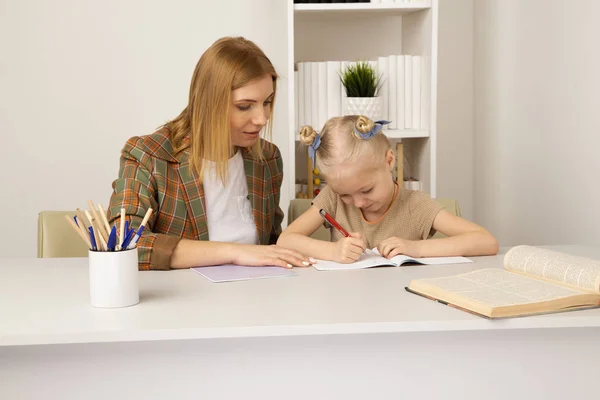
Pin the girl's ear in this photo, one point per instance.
(390, 159)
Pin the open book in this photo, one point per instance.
(533, 281)
(372, 258)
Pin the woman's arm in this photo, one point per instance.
(465, 238)
(135, 191)
(297, 237)
(194, 253)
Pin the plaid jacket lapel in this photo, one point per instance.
(194, 198)
(259, 198)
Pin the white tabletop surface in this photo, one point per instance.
(46, 301)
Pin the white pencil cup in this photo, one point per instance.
(114, 278)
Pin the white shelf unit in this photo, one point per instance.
(399, 134)
(359, 31)
(362, 8)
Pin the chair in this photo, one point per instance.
(56, 238)
(449, 205)
(298, 206)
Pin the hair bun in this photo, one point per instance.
(307, 135)
(364, 124)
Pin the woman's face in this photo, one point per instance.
(250, 110)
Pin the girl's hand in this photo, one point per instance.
(393, 246)
(349, 249)
(259, 255)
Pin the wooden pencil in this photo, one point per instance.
(146, 217)
(103, 243)
(76, 228)
(98, 221)
(104, 219)
(82, 225)
(97, 235)
(122, 229)
(83, 219)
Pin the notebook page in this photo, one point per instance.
(367, 260)
(231, 273)
(494, 287)
(401, 258)
(559, 267)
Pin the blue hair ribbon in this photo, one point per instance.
(312, 149)
(376, 128)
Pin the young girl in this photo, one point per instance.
(356, 160)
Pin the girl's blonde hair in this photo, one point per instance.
(203, 126)
(340, 143)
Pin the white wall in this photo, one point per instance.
(517, 149)
(455, 153)
(537, 130)
(78, 78)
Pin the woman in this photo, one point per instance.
(212, 182)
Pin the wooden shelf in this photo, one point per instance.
(398, 133)
(385, 8)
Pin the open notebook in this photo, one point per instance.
(533, 281)
(372, 258)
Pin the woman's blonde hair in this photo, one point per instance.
(341, 144)
(203, 126)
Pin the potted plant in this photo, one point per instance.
(362, 83)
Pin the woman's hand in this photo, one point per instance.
(259, 255)
(349, 249)
(393, 246)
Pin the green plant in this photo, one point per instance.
(361, 79)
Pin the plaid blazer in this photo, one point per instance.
(151, 176)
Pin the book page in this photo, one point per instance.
(497, 288)
(563, 268)
(367, 260)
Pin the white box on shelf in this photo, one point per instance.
(384, 92)
(393, 99)
(334, 89)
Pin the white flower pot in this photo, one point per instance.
(367, 106)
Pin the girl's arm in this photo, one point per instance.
(297, 237)
(465, 238)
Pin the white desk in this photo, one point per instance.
(336, 334)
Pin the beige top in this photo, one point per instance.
(410, 216)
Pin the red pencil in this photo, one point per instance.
(333, 222)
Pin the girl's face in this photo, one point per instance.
(368, 188)
(250, 110)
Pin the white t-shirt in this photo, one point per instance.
(228, 209)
